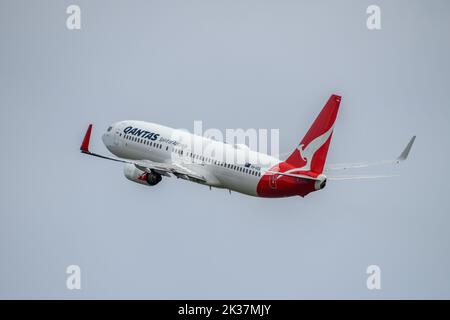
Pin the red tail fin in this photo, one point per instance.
(312, 151)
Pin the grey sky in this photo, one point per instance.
(231, 64)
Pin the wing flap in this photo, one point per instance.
(169, 168)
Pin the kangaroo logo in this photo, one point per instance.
(307, 153)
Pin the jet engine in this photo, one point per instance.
(134, 174)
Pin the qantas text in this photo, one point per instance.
(141, 133)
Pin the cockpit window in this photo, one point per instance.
(109, 129)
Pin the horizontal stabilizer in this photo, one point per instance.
(337, 178)
(293, 175)
(344, 166)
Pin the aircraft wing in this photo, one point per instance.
(403, 156)
(164, 169)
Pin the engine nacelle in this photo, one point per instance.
(134, 174)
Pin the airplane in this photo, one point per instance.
(151, 151)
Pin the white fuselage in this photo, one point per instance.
(233, 167)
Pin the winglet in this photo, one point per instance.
(85, 145)
(405, 152)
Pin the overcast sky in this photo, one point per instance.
(231, 64)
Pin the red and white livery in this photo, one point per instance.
(151, 151)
